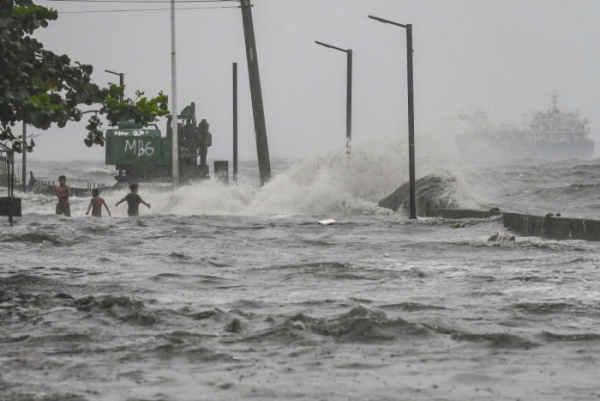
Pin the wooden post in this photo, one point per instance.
(11, 188)
(260, 125)
(24, 156)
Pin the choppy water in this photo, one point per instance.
(224, 293)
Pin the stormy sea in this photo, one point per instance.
(236, 292)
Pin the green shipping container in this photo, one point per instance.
(137, 147)
(134, 147)
(138, 150)
(167, 150)
(110, 133)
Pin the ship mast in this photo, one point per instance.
(554, 101)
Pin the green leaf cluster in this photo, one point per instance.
(42, 88)
(142, 110)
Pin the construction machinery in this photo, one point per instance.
(142, 154)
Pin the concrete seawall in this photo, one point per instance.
(49, 190)
(461, 213)
(553, 227)
(435, 199)
(559, 228)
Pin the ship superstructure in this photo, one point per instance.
(556, 126)
(550, 135)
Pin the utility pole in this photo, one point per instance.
(24, 150)
(260, 125)
(174, 122)
(235, 124)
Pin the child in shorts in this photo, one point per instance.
(96, 204)
(63, 192)
(133, 201)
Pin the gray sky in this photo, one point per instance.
(502, 57)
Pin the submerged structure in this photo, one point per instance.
(551, 135)
(144, 155)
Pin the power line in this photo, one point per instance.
(138, 1)
(143, 9)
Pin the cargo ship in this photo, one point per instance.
(551, 135)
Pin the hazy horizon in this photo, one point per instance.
(503, 58)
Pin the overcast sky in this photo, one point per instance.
(502, 57)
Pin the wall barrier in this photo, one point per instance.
(47, 188)
(461, 213)
(553, 227)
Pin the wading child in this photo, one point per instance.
(133, 201)
(96, 203)
(63, 192)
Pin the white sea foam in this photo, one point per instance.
(327, 184)
(101, 171)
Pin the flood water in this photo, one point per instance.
(225, 293)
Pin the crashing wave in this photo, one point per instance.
(431, 191)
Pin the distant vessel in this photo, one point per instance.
(551, 135)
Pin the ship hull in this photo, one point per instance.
(478, 149)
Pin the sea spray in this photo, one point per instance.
(327, 184)
(332, 184)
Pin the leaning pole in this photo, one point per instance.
(260, 125)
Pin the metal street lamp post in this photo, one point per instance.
(411, 111)
(121, 78)
(235, 123)
(348, 94)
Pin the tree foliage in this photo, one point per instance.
(42, 88)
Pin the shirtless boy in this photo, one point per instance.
(96, 203)
(63, 192)
(133, 201)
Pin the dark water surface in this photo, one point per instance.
(278, 307)
(227, 293)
